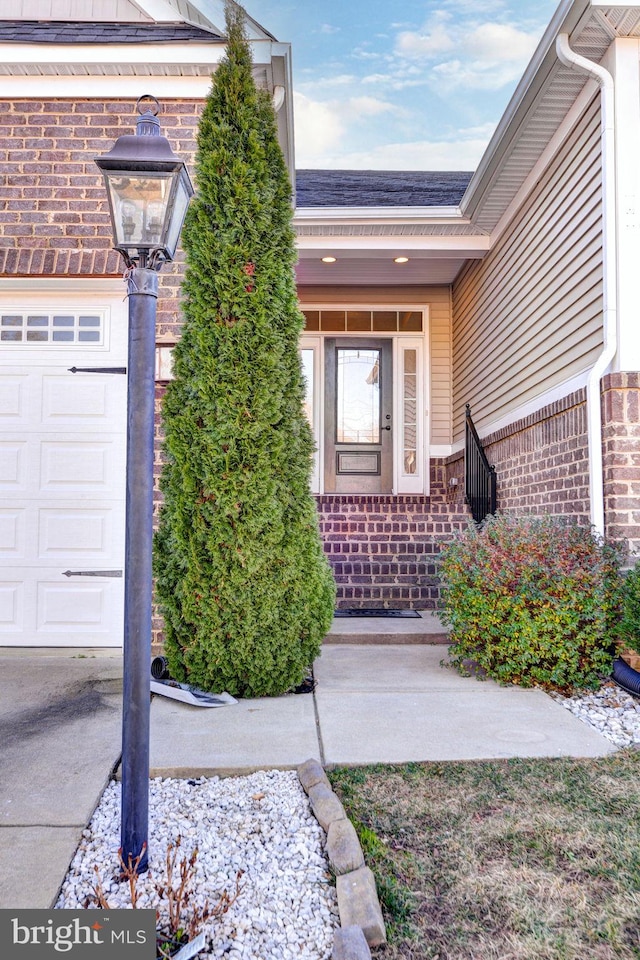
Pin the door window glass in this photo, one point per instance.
(358, 396)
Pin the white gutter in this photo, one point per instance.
(574, 61)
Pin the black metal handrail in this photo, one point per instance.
(479, 475)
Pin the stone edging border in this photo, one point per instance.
(361, 923)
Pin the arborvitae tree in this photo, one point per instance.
(246, 592)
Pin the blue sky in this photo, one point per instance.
(410, 85)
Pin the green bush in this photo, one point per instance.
(630, 622)
(533, 601)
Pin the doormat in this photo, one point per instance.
(375, 612)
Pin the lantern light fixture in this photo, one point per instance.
(149, 189)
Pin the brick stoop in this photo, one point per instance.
(383, 549)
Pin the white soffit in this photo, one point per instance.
(365, 270)
(541, 102)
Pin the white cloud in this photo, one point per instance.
(327, 28)
(488, 55)
(367, 107)
(323, 128)
(434, 39)
(324, 83)
(455, 154)
(318, 129)
(478, 75)
(501, 41)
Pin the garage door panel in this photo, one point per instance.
(69, 532)
(79, 613)
(13, 466)
(85, 401)
(41, 608)
(13, 541)
(69, 466)
(62, 467)
(11, 609)
(13, 401)
(70, 606)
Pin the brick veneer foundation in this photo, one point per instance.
(541, 461)
(621, 456)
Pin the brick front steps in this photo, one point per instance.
(383, 549)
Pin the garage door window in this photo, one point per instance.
(51, 328)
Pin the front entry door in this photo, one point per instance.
(358, 416)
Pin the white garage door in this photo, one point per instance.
(62, 474)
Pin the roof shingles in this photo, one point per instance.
(59, 31)
(380, 188)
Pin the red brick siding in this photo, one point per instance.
(54, 218)
(621, 456)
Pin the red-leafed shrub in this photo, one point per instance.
(533, 601)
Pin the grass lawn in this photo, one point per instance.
(503, 860)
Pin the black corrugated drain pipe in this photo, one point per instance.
(626, 677)
(160, 668)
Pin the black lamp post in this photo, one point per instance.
(149, 191)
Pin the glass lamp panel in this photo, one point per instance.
(177, 213)
(139, 204)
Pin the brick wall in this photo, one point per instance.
(383, 549)
(54, 218)
(621, 456)
(541, 461)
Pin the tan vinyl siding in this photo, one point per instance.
(438, 301)
(529, 316)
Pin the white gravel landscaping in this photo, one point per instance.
(261, 824)
(610, 710)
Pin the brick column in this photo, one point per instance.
(621, 456)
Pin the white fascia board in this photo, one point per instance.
(10, 287)
(365, 214)
(106, 87)
(579, 382)
(314, 216)
(485, 430)
(564, 20)
(473, 246)
(89, 54)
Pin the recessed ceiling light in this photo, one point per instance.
(328, 259)
(401, 259)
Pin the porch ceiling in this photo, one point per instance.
(362, 268)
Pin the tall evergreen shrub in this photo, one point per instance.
(246, 592)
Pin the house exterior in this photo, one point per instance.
(510, 290)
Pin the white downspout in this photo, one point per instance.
(574, 61)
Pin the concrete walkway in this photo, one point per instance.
(60, 729)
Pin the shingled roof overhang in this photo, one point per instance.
(365, 219)
(545, 95)
(60, 31)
